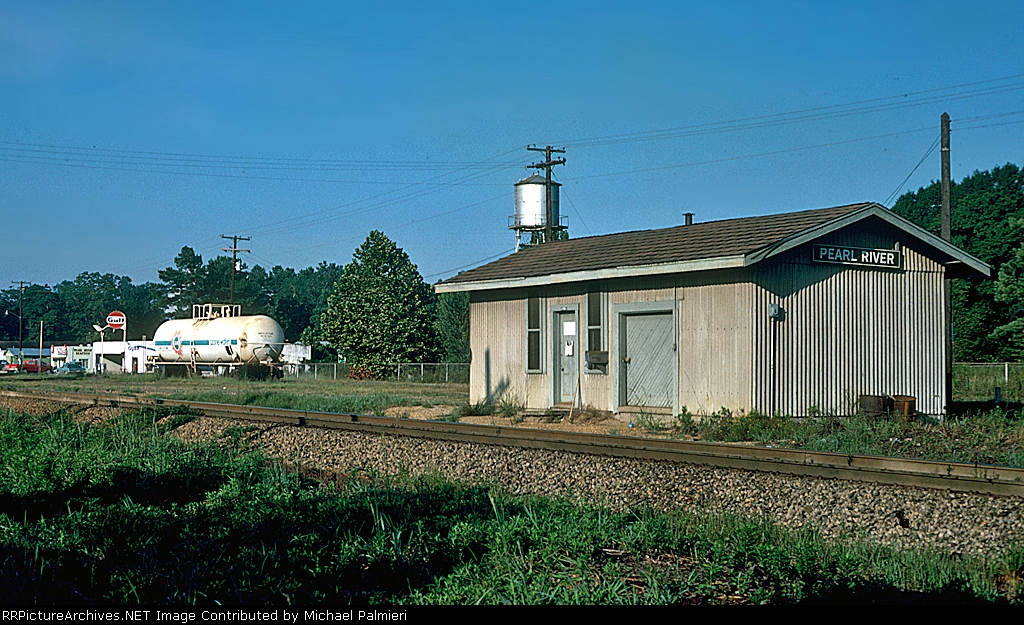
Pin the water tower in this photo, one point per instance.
(533, 194)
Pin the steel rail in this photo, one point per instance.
(952, 476)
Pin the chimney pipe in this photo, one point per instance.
(689, 218)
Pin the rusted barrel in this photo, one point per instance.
(874, 405)
(905, 405)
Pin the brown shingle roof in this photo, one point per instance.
(702, 240)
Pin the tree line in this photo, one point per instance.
(374, 310)
(378, 309)
(987, 221)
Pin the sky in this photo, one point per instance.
(129, 130)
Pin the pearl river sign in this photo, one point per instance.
(845, 255)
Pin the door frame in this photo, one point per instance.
(618, 347)
(556, 353)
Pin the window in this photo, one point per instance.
(597, 351)
(594, 322)
(533, 342)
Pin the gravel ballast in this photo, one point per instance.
(891, 515)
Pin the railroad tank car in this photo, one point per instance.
(253, 340)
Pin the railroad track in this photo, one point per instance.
(952, 476)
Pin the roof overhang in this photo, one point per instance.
(703, 264)
(958, 257)
(960, 262)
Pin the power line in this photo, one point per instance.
(364, 205)
(885, 103)
(571, 203)
(234, 249)
(410, 223)
(475, 262)
(745, 156)
(226, 160)
(927, 153)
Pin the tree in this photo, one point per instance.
(43, 303)
(298, 299)
(191, 282)
(452, 326)
(183, 282)
(987, 207)
(381, 310)
(90, 297)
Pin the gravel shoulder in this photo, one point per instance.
(902, 517)
(838, 509)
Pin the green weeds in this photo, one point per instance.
(511, 407)
(481, 408)
(120, 512)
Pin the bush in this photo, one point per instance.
(744, 426)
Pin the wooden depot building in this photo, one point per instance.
(792, 313)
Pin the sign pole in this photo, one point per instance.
(117, 320)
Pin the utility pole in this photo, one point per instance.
(547, 165)
(21, 306)
(947, 285)
(234, 249)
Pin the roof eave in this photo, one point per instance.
(688, 266)
(876, 210)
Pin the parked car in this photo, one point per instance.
(10, 367)
(70, 367)
(33, 366)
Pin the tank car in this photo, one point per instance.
(219, 336)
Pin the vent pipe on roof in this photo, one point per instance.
(689, 218)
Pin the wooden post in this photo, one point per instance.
(947, 285)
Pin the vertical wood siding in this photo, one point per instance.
(847, 331)
(714, 345)
(497, 339)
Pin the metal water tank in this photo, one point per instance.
(531, 202)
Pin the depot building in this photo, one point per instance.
(794, 313)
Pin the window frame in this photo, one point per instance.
(601, 328)
(538, 331)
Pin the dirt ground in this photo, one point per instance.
(585, 423)
(589, 423)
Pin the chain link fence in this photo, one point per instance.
(431, 372)
(978, 381)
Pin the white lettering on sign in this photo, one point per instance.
(856, 256)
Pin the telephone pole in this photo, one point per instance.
(547, 165)
(234, 249)
(947, 285)
(21, 307)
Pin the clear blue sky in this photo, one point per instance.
(131, 129)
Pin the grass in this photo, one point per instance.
(125, 513)
(990, 437)
(977, 382)
(364, 397)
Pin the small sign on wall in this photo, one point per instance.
(863, 257)
(568, 328)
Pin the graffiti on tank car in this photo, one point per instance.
(176, 342)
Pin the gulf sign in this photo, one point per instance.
(116, 320)
(863, 257)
